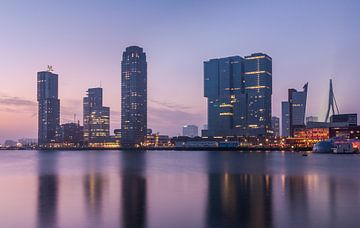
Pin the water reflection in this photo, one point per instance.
(134, 189)
(237, 199)
(94, 185)
(216, 189)
(47, 199)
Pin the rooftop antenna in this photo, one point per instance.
(50, 68)
(74, 117)
(100, 84)
(332, 102)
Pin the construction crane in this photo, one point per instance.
(332, 103)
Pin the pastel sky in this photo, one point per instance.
(309, 41)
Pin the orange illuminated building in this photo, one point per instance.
(310, 136)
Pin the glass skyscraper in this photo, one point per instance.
(258, 87)
(48, 107)
(285, 119)
(133, 96)
(96, 117)
(238, 92)
(297, 108)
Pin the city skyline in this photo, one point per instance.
(319, 52)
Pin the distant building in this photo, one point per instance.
(133, 96)
(49, 107)
(297, 108)
(28, 141)
(350, 132)
(317, 125)
(312, 119)
(312, 134)
(238, 92)
(343, 120)
(275, 125)
(285, 119)
(10, 143)
(71, 133)
(96, 117)
(190, 131)
(157, 140)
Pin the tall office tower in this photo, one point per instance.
(297, 108)
(96, 117)
(226, 100)
(258, 87)
(190, 131)
(49, 106)
(239, 95)
(275, 125)
(133, 96)
(285, 119)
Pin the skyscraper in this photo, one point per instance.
(275, 125)
(133, 96)
(49, 106)
(258, 87)
(297, 108)
(285, 119)
(96, 117)
(238, 92)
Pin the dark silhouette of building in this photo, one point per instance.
(96, 117)
(238, 92)
(133, 96)
(49, 106)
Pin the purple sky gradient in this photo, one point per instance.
(309, 41)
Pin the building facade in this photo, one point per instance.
(275, 125)
(238, 92)
(297, 108)
(48, 107)
(70, 133)
(190, 131)
(285, 119)
(96, 117)
(258, 88)
(133, 97)
(343, 120)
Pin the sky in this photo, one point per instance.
(309, 41)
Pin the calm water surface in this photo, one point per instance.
(178, 189)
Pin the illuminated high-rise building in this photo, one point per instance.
(133, 96)
(258, 88)
(238, 92)
(48, 106)
(96, 117)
